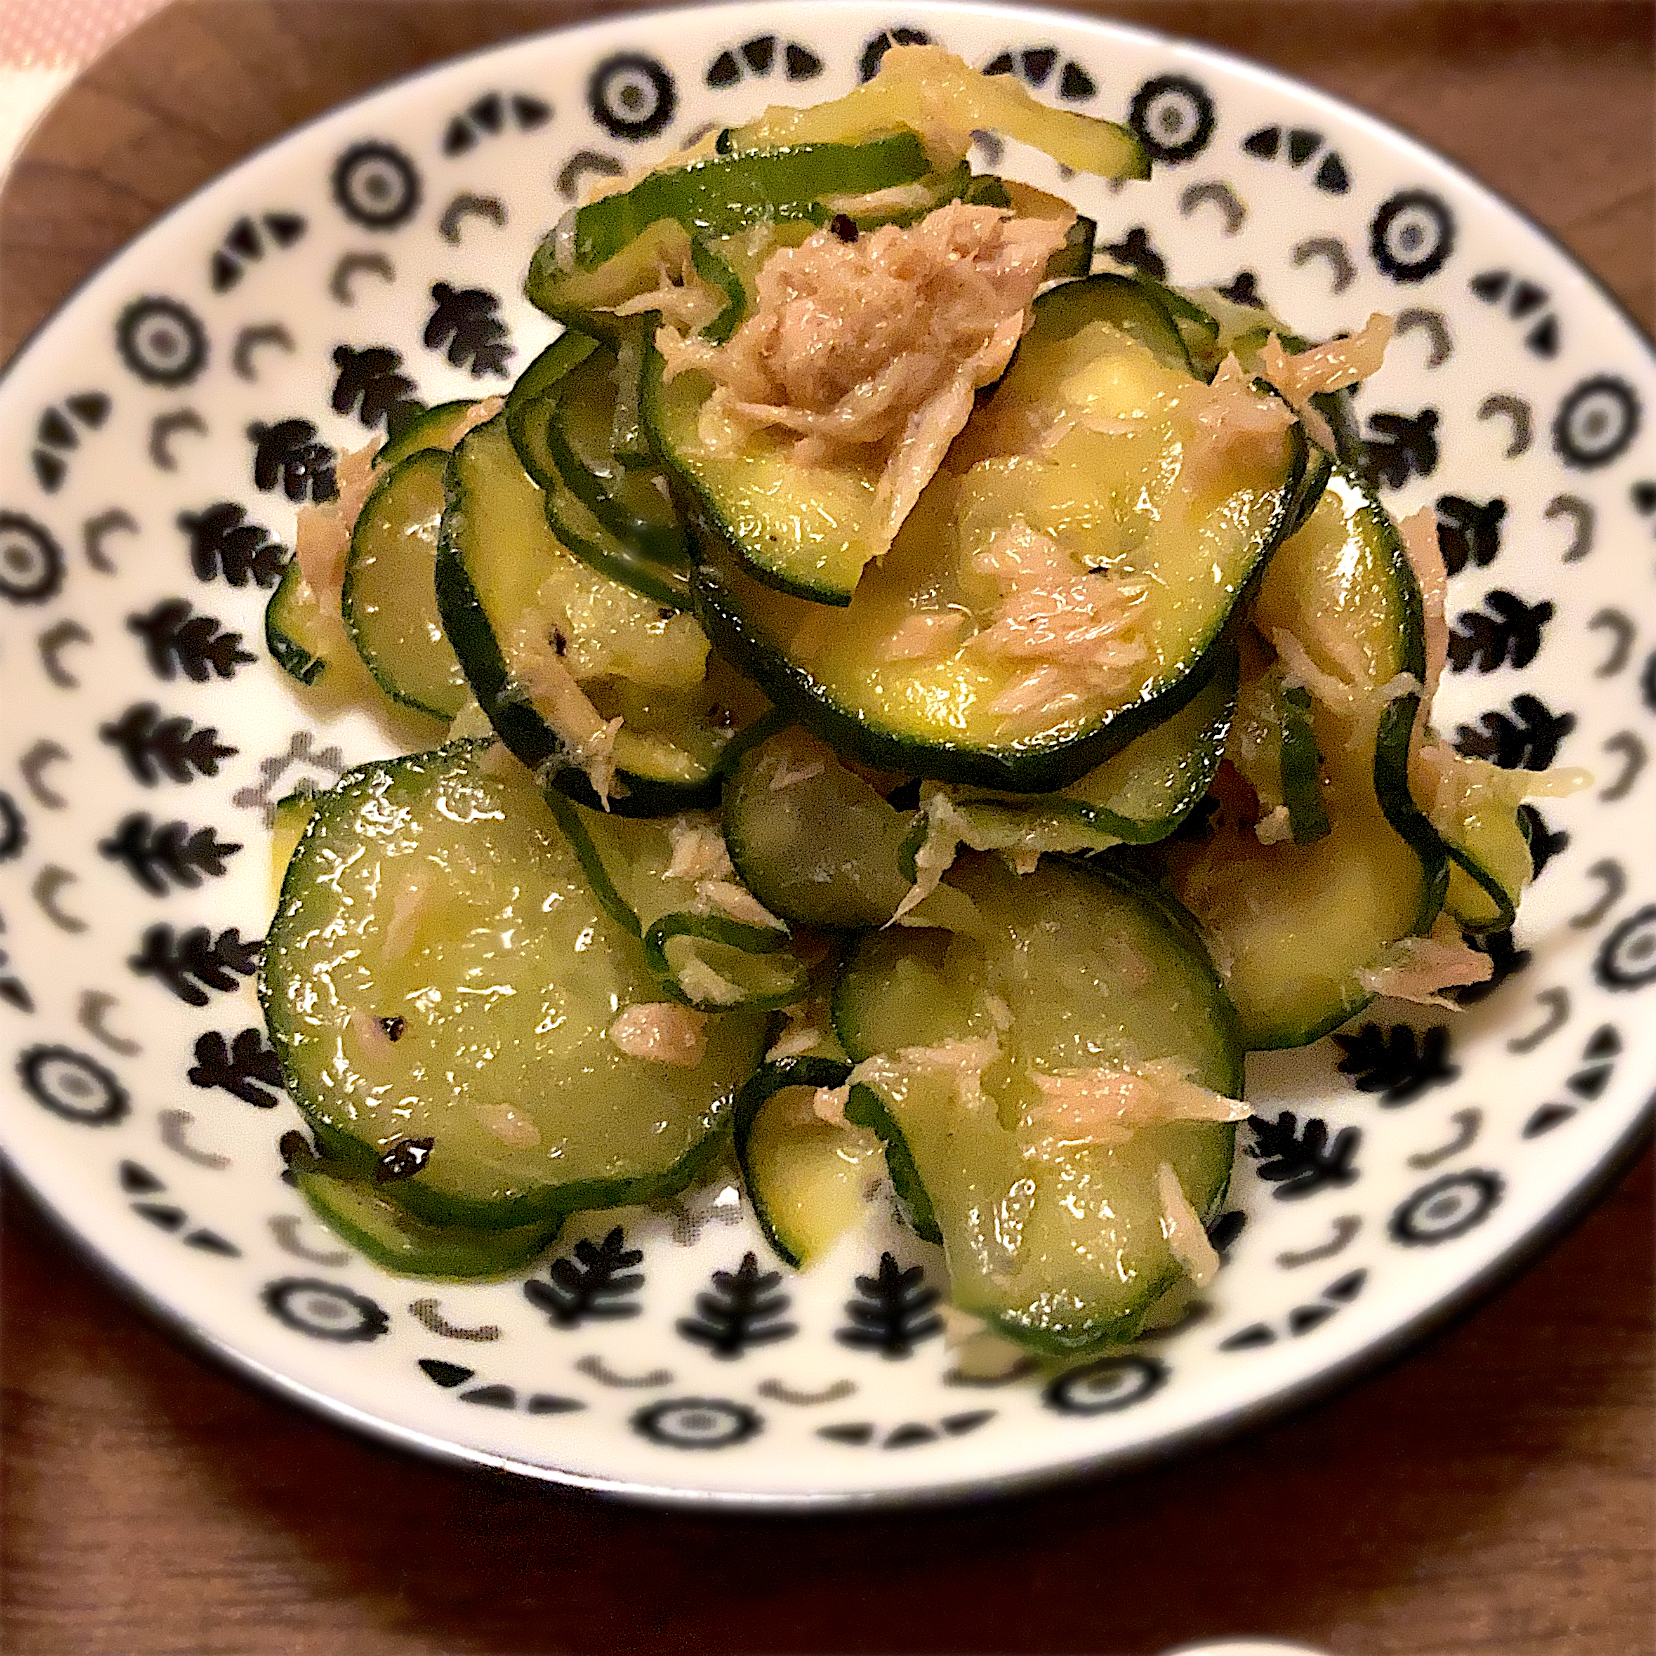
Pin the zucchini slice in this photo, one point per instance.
(930, 91)
(1295, 926)
(511, 595)
(302, 638)
(652, 563)
(1138, 797)
(809, 1179)
(703, 956)
(440, 970)
(614, 248)
(1151, 534)
(1058, 1239)
(813, 841)
(1475, 808)
(381, 1230)
(438, 427)
(389, 600)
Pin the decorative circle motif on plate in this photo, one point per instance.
(73, 1086)
(31, 562)
(1412, 236)
(1173, 116)
(376, 185)
(1596, 422)
(324, 1310)
(697, 1423)
(161, 341)
(1446, 1208)
(631, 96)
(1104, 1386)
(1627, 956)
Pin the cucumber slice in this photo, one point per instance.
(704, 958)
(506, 586)
(1301, 767)
(1475, 809)
(631, 502)
(1060, 1245)
(1137, 499)
(438, 427)
(532, 414)
(366, 1218)
(439, 969)
(302, 638)
(927, 89)
(1295, 926)
(812, 840)
(389, 601)
(613, 249)
(809, 1179)
(1138, 797)
(293, 814)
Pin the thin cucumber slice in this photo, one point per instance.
(531, 419)
(1295, 926)
(707, 959)
(1139, 796)
(440, 970)
(293, 814)
(1476, 809)
(809, 1179)
(629, 501)
(812, 840)
(1175, 535)
(1059, 1241)
(508, 590)
(1301, 767)
(925, 89)
(438, 427)
(389, 601)
(368, 1219)
(613, 249)
(301, 637)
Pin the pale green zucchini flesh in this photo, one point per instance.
(1058, 1244)
(508, 591)
(1295, 926)
(389, 601)
(1153, 526)
(439, 969)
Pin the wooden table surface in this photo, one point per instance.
(1492, 1494)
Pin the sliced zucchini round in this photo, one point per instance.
(1139, 796)
(440, 970)
(389, 600)
(512, 597)
(808, 1178)
(813, 841)
(1174, 538)
(706, 958)
(438, 427)
(386, 1233)
(1295, 926)
(1059, 1241)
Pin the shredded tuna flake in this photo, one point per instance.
(662, 1032)
(1417, 969)
(1104, 1106)
(1182, 1228)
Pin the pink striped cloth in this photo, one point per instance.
(43, 45)
(64, 34)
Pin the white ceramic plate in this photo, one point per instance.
(1395, 1176)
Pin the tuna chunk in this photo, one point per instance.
(869, 350)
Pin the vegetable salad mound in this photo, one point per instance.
(920, 707)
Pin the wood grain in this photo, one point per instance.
(1490, 1495)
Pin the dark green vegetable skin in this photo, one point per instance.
(759, 1089)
